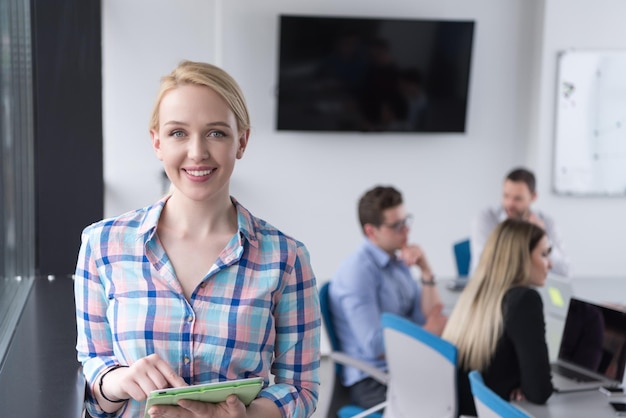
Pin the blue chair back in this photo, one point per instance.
(490, 404)
(327, 317)
(462, 256)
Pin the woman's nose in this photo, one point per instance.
(198, 150)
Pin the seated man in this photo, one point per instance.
(517, 196)
(376, 279)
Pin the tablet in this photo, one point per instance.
(246, 389)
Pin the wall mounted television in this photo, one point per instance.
(373, 75)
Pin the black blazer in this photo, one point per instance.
(521, 358)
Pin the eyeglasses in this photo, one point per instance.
(400, 225)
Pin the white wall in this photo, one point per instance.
(593, 229)
(143, 40)
(307, 184)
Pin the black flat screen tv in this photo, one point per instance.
(373, 75)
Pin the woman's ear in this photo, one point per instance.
(156, 143)
(243, 143)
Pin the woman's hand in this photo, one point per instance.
(138, 380)
(231, 408)
(517, 395)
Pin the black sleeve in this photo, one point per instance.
(524, 324)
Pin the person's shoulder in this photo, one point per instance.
(492, 211)
(359, 268)
(522, 296)
(132, 220)
(356, 258)
(489, 214)
(546, 218)
(521, 292)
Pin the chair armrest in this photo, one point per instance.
(372, 371)
(371, 410)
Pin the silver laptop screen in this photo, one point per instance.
(594, 338)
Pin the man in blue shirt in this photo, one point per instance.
(378, 278)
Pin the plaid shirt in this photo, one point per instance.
(256, 312)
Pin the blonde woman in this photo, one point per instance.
(194, 288)
(497, 323)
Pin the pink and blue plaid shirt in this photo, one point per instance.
(256, 312)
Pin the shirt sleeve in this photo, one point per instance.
(560, 261)
(93, 344)
(297, 344)
(480, 230)
(417, 315)
(359, 302)
(525, 326)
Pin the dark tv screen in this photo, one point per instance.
(373, 75)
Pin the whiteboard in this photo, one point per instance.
(590, 131)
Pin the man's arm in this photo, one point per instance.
(430, 301)
(560, 261)
(413, 255)
(355, 288)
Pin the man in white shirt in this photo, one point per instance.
(518, 194)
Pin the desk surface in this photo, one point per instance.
(588, 404)
(585, 404)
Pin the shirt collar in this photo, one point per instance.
(247, 224)
(152, 213)
(381, 258)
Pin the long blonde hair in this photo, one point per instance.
(475, 325)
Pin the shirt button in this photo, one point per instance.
(186, 360)
(190, 318)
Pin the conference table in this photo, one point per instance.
(583, 404)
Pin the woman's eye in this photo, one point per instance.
(217, 134)
(177, 134)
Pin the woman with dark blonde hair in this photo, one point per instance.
(498, 324)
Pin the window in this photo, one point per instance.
(17, 209)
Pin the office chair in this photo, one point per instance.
(422, 372)
(339, 404)
(488, 403)
(462, 257)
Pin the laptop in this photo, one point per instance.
(592, 352)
